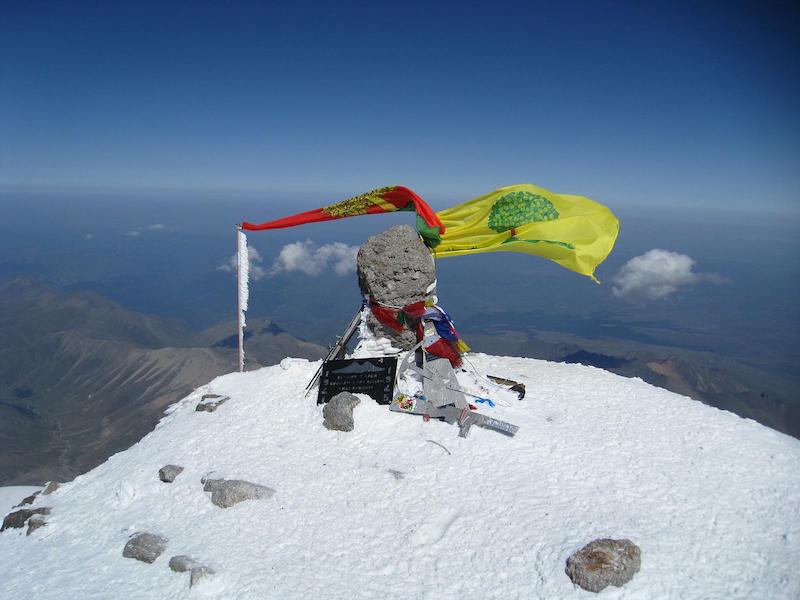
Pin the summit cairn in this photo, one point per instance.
(396, 269)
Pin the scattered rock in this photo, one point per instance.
(396, 268)
(34, 523)
(338, 412)
(604, 562)
(211, 402)
(182, 563)
(199, 573)
(17, 519)
(398, 475)
(146, 547)
(209, 485)
(227, 492)
(51, 487)
(29, 499)
(168, 473)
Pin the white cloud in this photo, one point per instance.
(88, 236)
(306, 257)
(153, 227)
(256, 270)
(657, 274)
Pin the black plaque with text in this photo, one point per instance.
(371, 376)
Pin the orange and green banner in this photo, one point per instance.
(573, 231)
(381, 200)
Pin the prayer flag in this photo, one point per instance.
(573, 231)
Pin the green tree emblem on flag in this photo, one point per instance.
(519, 208)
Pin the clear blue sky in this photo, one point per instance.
(692, 103)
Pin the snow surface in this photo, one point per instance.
(712, 500)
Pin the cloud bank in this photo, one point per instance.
(255, 260)
(306, 257)
(658, 274)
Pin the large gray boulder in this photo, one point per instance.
(338, 412)
(227, 492)
(604, 562)
(397, 269)
(146, 547)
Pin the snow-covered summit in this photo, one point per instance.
(712, 500)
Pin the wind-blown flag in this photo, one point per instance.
(573, 231)
(381, 200)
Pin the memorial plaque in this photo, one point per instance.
(371, 376)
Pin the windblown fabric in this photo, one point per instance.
(381, 200)
(432, 325)
(573, 231)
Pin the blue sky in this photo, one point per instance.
(691, 104)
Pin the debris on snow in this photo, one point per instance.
(338, 412)
(514, 386)
(168, 473)
(146, 547)
(604, 562)
(211, 402)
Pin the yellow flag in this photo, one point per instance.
(573, 231)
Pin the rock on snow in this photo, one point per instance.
(712, 500)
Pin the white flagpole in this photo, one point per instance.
(239, 312)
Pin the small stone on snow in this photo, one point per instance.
(34, 523)
(227, 492)
(199, 573)
(211, 402)
(51, 487)
(168, 473)
(338, 412)
(604, 562)
(146, 547)
(182, 563)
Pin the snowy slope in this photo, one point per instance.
(712, 500)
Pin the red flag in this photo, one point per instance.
(381, 200)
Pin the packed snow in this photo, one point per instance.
(403, 508)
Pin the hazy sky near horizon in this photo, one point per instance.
(678, 103)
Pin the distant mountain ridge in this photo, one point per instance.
(81, 377)
(723, 388)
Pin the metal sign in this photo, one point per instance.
(371, 376)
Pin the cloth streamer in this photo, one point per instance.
(441, 340)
